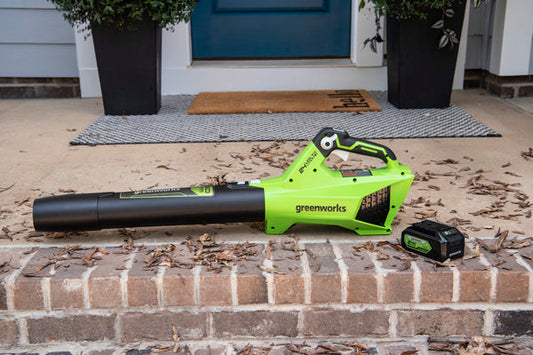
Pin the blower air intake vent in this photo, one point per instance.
(375, 207)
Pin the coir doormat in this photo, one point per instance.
(283, 101)
(173, 125)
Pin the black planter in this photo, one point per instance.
(129, 67)
(420, 75)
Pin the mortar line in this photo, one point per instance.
(269, 277)
(488, 322)
(456, 286)
(520, 260)
(343, 270)
(10, 282)
(306, 274)
(118, 327)
(393, 324)
(23, 331)
(196, 290)
(234, 285)
(47, 292)
(85, 284)
(417, 282)
(468, 306)
(159, 285)
(124, 278)
(380, 277)
(493, 277)
(210, 325)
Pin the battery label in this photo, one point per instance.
(199, 191)
(417, 244)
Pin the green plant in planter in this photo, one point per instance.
(124, 14)
(420, 9)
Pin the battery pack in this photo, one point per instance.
(434, 240)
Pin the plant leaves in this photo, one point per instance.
(439, 24)
(443, 41)
(449, 12)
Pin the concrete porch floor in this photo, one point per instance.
(36, 160)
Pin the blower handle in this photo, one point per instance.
(329, 139)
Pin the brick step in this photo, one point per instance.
(289, 346)
(30, 88)
(222, 292)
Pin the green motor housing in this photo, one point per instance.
(309, 192)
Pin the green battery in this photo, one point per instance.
(434, 240)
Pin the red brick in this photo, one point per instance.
(215, 288)
(255, 323)
(142, 287)
(9, 332)
(474, 281)
(289, 289)
(398, 287)
(512, 283)
(178, 283)
(28, 293)
(251, 283)
(441, 322)
(331, 322)
(71, 328)
(158, 326)
(66, 286)
(437, 283)
(362, 283)
(398, 283)
(178, 287)
(289, 282)
(104, 281)
(13, 258)
(325, 275)
(515, 323)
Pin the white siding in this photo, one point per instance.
(35, 41)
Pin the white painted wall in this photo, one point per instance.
(180, 75)
(511, 37)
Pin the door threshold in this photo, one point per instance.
(274, 63)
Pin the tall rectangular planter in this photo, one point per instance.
(420, 74)
(129, 68)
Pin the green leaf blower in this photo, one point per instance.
(308, 192)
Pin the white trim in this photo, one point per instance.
(511, 37)
(459, 76)
(363, 27)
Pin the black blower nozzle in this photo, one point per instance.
(201, 205)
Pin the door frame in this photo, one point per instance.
(180, 75)
(362, 26)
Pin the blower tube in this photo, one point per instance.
(236, 202)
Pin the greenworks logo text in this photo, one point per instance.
(318, 208)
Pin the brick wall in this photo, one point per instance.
(277, 292)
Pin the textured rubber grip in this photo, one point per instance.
(329, 139)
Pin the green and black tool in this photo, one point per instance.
(308, 192)
(434, 240)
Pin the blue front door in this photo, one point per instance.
(271, 28)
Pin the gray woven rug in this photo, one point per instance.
(173, 125)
